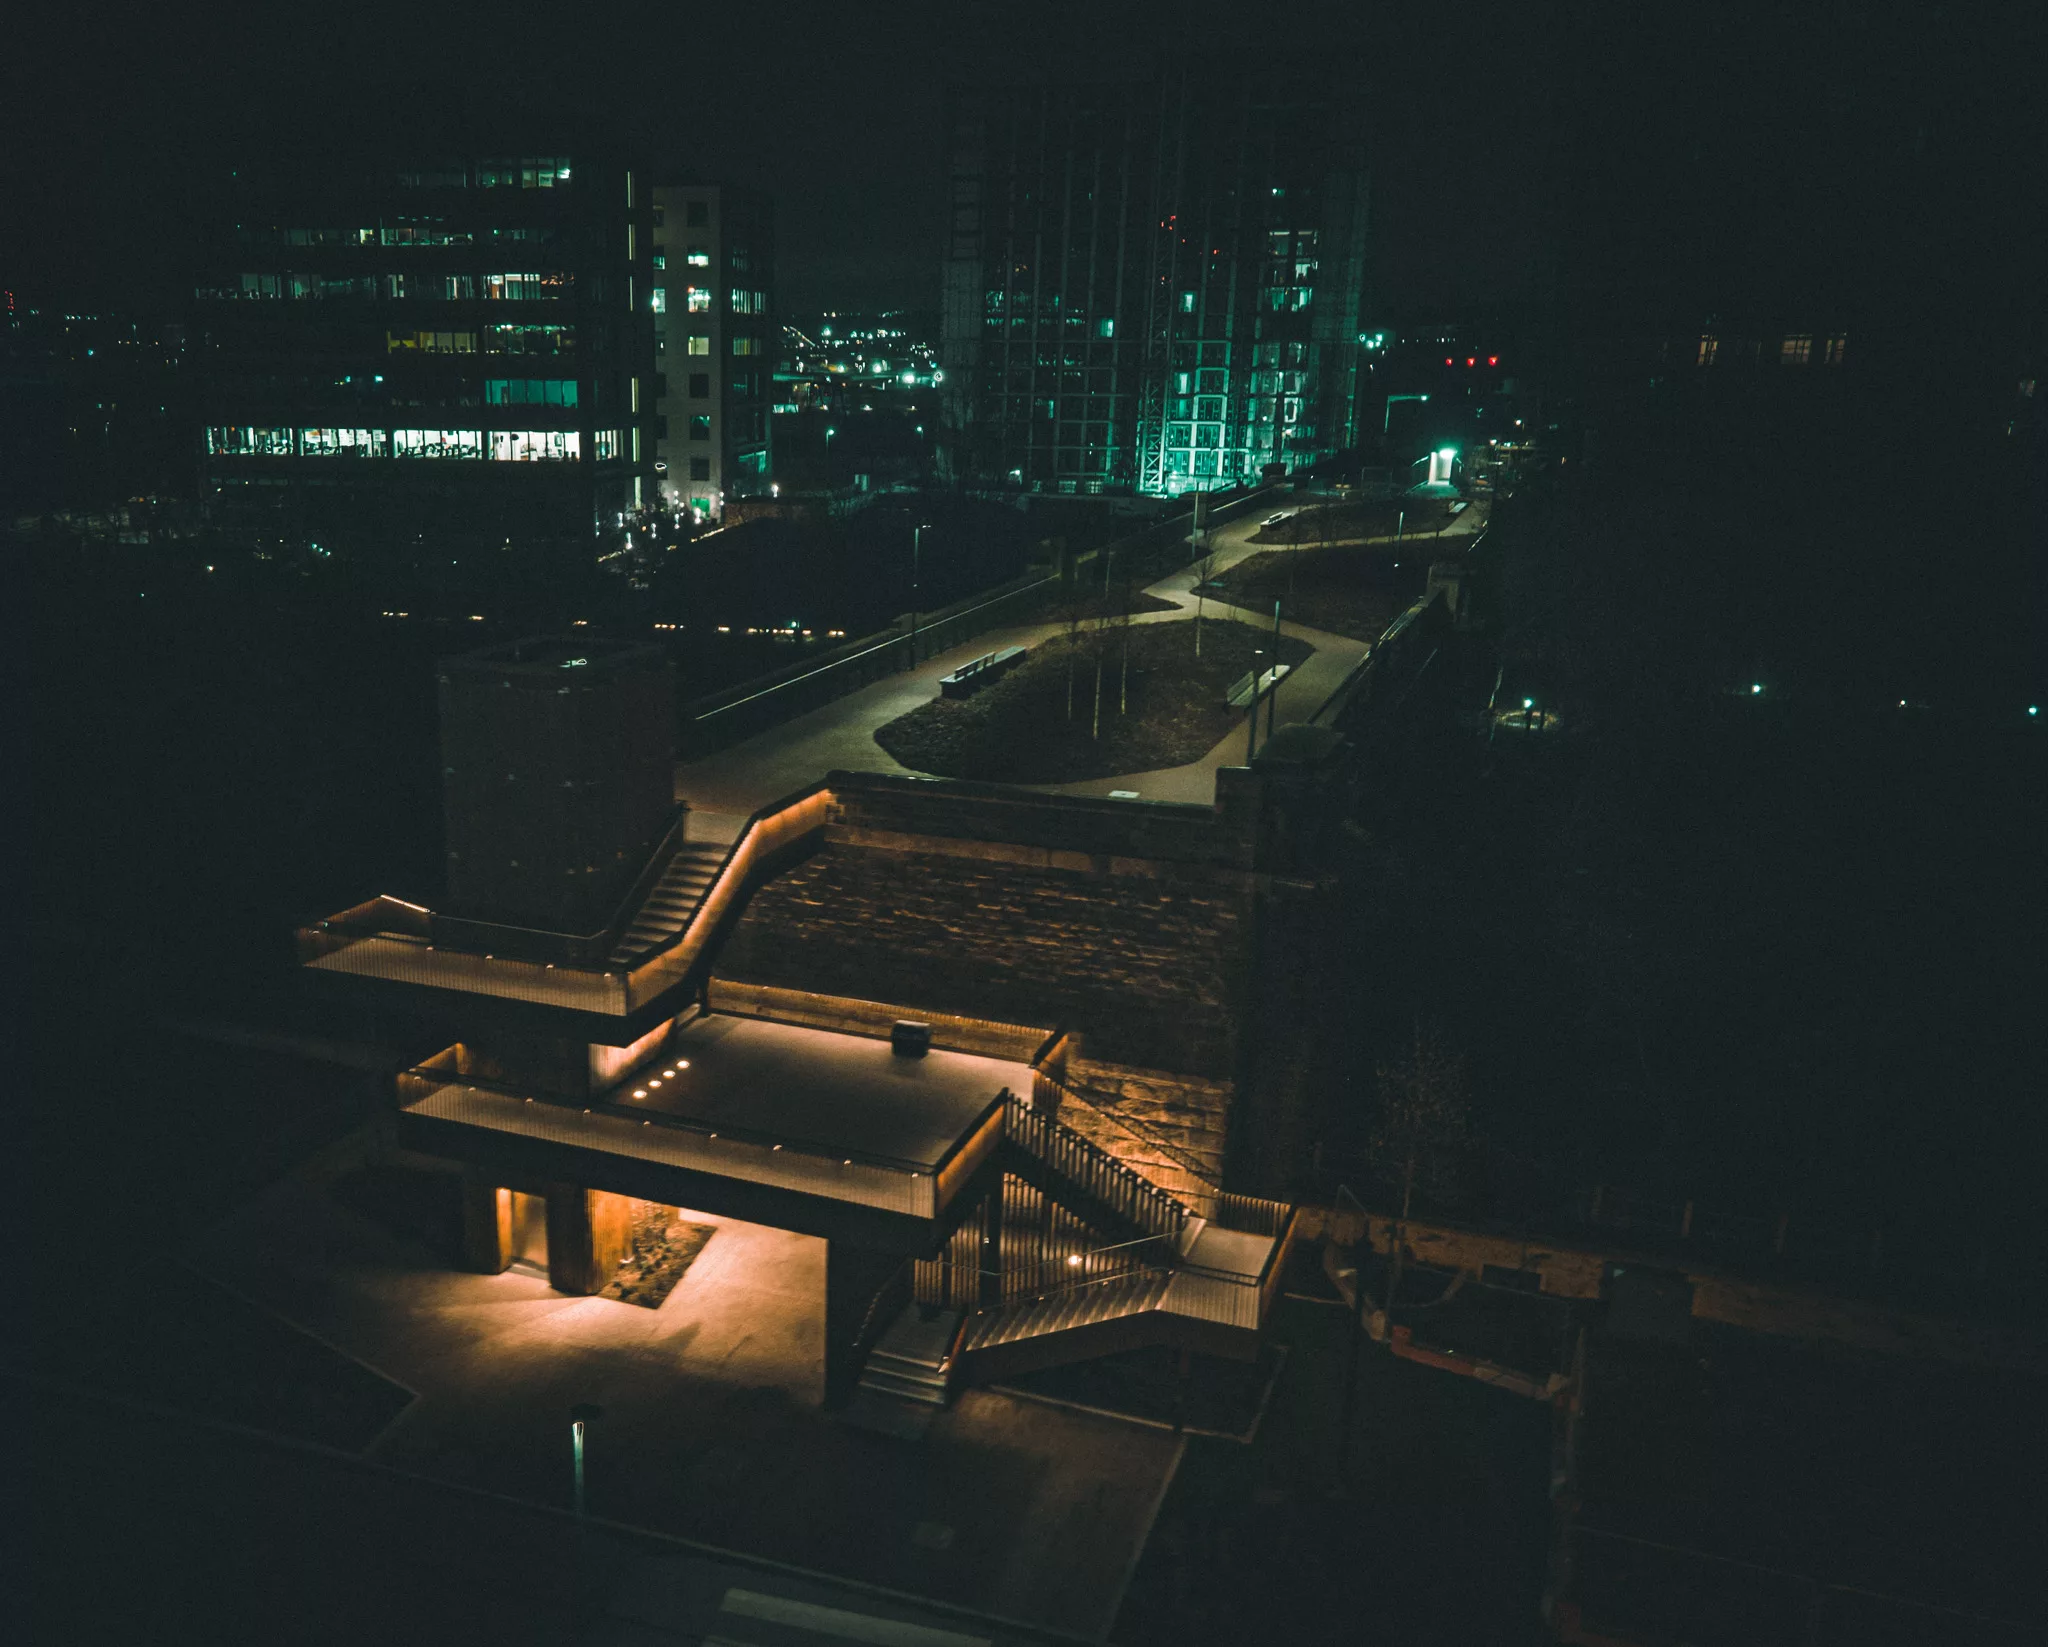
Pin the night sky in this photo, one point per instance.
(1519, 151)
(837, 112)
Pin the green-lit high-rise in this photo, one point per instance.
(1153, 286)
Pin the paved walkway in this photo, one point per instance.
(726, 787)
(711, 1426)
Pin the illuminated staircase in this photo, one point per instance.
(1094, 1259)
(670, 905)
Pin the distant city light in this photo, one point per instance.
(1755, 688)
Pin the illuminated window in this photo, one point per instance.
(742, 302)
(700, 345)
(530, 391)
(344, 443)
(760, 303)
(437, 443)
(421, 231)
(431, 343)
(699, 258)
(1838, 346)
(746, 345)
(1105, 327)
(1187, 303)
(1710, 346)
(604, 444)
(525, 172)
(700, 428)
(529, 340)
(661, 260)
(1795, 351)
(661, 300)
(526, 288)
(246, 442)
(698, 300)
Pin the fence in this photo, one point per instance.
(739, 712)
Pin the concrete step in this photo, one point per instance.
(884, 1382)
(915, 1372)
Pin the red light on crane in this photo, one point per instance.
(1447, 360)
(1469, 361)
(1493, 360)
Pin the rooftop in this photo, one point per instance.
(838, 1094)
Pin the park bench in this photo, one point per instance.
(1249, 687)
(972, 676)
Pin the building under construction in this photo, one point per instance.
(1153, 286)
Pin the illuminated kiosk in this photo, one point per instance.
(977, 1222)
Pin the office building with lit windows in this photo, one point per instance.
(1153, 287)
(715, 341)
(412, 357)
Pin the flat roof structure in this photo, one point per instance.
(836, 1093)
(778, 1123)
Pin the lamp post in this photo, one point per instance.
(1387, 423)
(580, 1416)
(916, 561)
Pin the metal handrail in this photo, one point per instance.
(1094, 1169)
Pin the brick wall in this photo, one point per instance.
(1145, 966)
(1190, 1113)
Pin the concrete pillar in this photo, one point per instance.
(589, 1232)
(486, 1223)
(854, 1276)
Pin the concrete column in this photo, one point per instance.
(589, 1232)
(486, 1223)
(853, 1278)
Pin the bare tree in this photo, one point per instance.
(1073, 613)
(1205, 564)
(1420, 1123)
(1123, 626)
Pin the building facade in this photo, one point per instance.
(1153, 287)
(716, 343)
(417, 355)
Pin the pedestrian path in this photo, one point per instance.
(728, 786)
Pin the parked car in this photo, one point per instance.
(1275, 520)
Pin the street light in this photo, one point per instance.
(580, 1415)
(1388, 422)
(916, 557)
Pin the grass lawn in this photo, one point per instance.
(1354, 591)
(1439, 1535)
(1019, 730)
